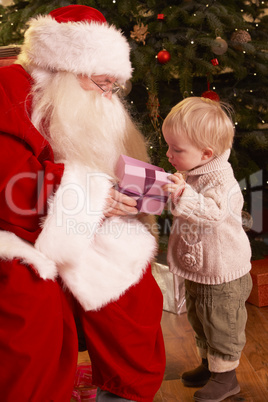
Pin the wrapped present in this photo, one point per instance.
(143, 182)
(7, 61)
(8, 54)
(83, 375)
(84, 390)
(259, 275)
(172, 288)
(84, 395)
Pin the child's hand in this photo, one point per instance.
(177, 186)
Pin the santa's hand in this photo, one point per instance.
(177, 184)
(118, 204)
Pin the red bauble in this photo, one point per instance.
(211, 95)
(163, 56)
(160, 16)
(215, 62)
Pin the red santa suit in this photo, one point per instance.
(38, 343)
(44, 244)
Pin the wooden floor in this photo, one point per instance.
(252, 372)
(181, 355)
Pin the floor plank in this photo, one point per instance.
(181, 355)
(256, 348)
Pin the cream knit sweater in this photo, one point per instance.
(207, 243)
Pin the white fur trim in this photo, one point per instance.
(75, 213)
(80, 48)
(12, 246)
(97, 258)
(218, 365)
(105, 271)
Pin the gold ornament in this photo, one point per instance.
(139, 33)
(240, 37)
(219, 46)
(144, 12)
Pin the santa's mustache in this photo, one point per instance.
(81, 126)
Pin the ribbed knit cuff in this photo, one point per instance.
(218, 365)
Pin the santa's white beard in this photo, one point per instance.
(81, 126)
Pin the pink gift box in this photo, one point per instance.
(143, 182)
(84, 395)
(84, 390)
(83, 376)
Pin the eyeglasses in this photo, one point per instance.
(114, 89)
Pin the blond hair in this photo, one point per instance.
(206, 123)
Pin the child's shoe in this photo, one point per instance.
(197, 377)
(219, 387)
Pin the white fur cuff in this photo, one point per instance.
(12, 246)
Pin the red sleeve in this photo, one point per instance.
(26, 183)
(28, 175)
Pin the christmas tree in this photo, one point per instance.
(183, 48)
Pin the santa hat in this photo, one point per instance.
(76, 39)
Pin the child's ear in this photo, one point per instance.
(207, 154)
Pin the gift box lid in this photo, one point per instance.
(143, 182)
(131, 174)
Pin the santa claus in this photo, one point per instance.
(70, 243)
